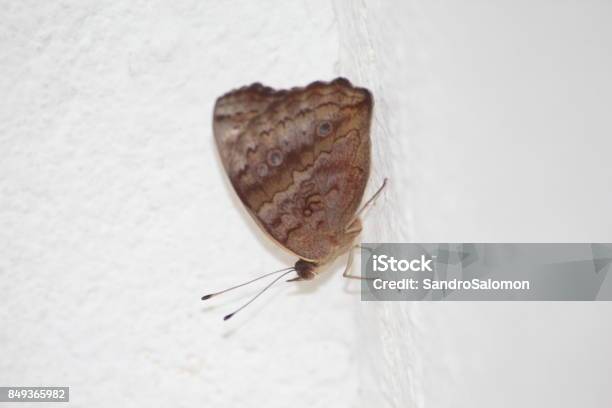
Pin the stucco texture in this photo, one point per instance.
(116, 216)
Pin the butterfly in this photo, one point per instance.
(299, 160)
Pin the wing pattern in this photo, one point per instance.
(299, 160)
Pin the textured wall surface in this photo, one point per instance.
(502, 109)
(115, 215)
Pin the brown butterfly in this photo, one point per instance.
(299, 160)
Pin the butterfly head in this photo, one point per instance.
(305, 270)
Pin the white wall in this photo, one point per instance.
(115, 216)
(502, 109)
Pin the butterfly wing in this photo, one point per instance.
(299, 160)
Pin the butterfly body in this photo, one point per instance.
(299, 160)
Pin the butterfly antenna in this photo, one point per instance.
(259, 294)
(206, 297)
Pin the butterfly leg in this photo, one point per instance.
(368, 203)
(354, 228)
(349, 263)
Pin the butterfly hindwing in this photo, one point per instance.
(299, 160)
